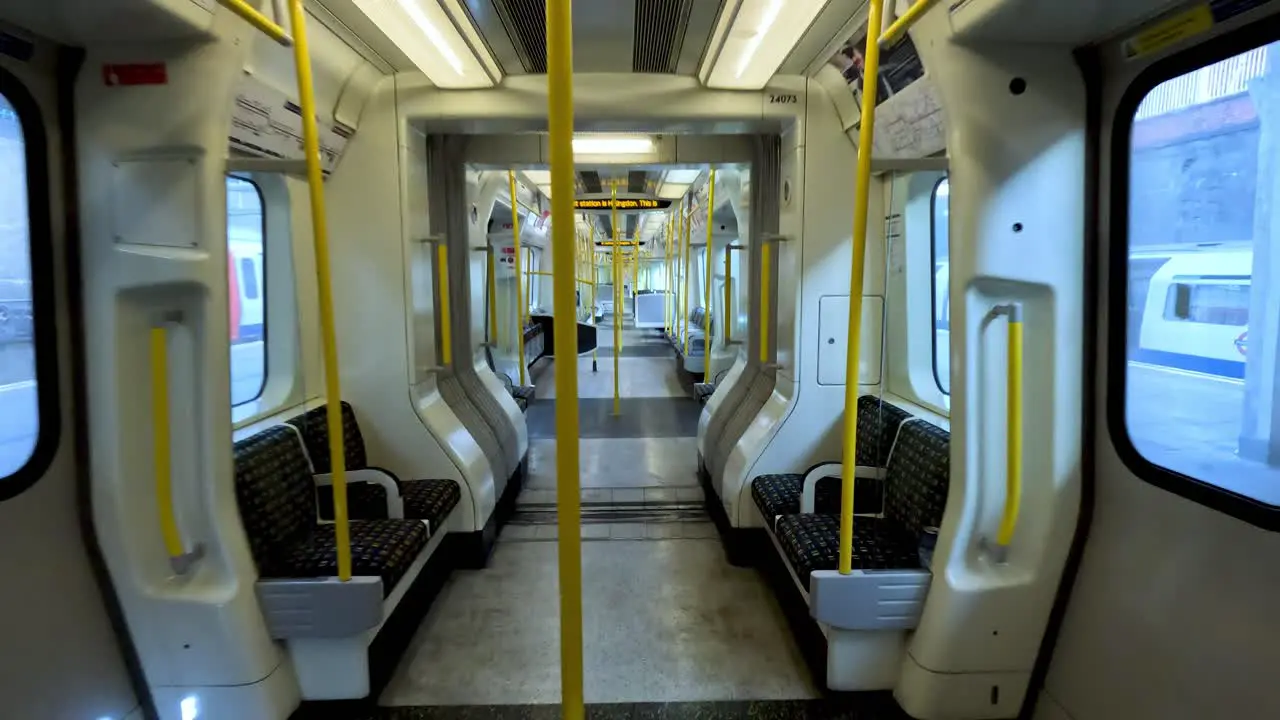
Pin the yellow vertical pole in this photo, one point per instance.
(595, 278)
(560, 115)
(328, 335)
(520, 304)
(617, 302)
(765, 269)
(861, 205)
(706, 291)
(688, 270)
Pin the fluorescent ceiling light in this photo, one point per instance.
(427, 35)
(681, 176)
(673, 191)
(757, 42)
(612, 145)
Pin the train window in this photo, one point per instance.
(245, 234)
(28, 397)
(1191, 406)
(941, 244)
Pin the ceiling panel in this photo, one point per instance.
(609, 36)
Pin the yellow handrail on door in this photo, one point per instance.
(161, 451)
(1013, 459)
(595, 279)
(765, 269)
(442, 280)
(706, 261)
(669, 298)
(616, 258)
(520, 304)
(492, 270)
(328, 335)
(560, 113)
(268, 27)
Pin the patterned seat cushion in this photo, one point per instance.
(314, 427)
(274, 491)
(378, 547)
(522, 403)
(878, 423)
(365, 501)
(812, 542)
(777, 495)
(430, 500)
(918, 476)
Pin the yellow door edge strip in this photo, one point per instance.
(560, 115)
(765, 271)
(328, 334)
(442, 284)
(861, 207)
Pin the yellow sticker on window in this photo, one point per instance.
(1171, 30)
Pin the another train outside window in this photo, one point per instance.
(1201, 392)
(247, 296)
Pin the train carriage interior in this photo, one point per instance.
(404, 359)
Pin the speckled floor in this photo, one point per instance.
(664, 620)
(879, 706)
(671, 630)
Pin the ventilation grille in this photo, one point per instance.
(526, 23)
(659, 34)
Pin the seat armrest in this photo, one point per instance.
(831, 470)
(395, 504)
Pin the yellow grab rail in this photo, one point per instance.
(668, 296)
(491, 267)
(161, 449)
(900, 26)
(765, 269)
(560, 113)
(861, 205)
(442, 284)
(706, 292)
(328, 335)
(1013, 409)
(263, 23)
(595, 279)
(616, 258)
(521, 305)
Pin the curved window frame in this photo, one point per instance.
(1242, 507)
(43, 300)
(933, 281)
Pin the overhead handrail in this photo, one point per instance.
(898, 29)
(442, 285)
(1013, 420)
(521, 305)
(162, 455)
(616, 258)
(568, 500)
(706, 261)
(861, 206)
(266, 25)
